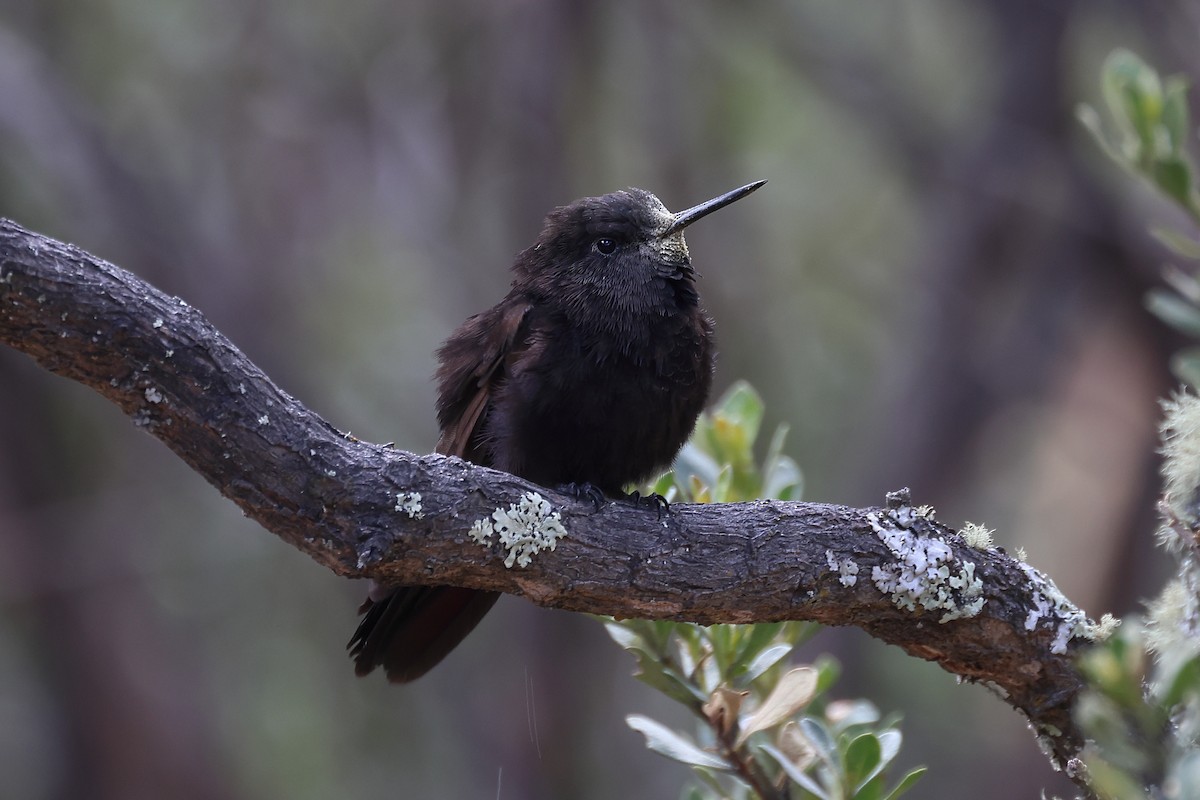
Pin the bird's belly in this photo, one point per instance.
(608, 424)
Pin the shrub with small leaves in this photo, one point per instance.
(718, 466)
(1141, 714)
(765, 728)
(1141, 709)
(1151, 136)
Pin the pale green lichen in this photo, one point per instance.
(410, 503)
(524, 529)
(1179, 606)
(1052, 608)
(976, 536)
(925, 574)
(1102, 630)
(846, 568)
(1169, 619)
(1181, 458)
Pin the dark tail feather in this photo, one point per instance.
(410, 630)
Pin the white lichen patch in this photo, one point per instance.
(264, 420)
(1181, 459)
(158, 323)
(976, 536)
(1100, 631)
(1052, 609)
(153, 395)
(524, 529)
(846, 568)
(410, 503)
(1175, 616)
(925, 573)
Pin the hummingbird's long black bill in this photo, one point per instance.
(685, 218)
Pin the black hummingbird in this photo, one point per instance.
(589, 375)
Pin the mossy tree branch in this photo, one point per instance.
(352, 505)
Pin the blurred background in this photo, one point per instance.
(941, 287)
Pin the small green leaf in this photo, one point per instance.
(666, 680)
(783, 480)
(1175, 114)
(675, 746)
(755, 637)
(796, 633)
(1173, 175)
(845, 714)
(1183, 282)
(624, 636)
(664, 486)
(1129, 89)
(710, 674)
(906, 783)
(1090, 119)
(889, 745)
(828, 671)
(724, 644)
(1178, 243)
(775, 447)
(863, 760)
(1174, 310)
(1109, 780)
(823, 744)
(722, 490)
(712, 781)
(794, 773)
(765, 660)
(692, 461)
(743, 406)
(1179, 680)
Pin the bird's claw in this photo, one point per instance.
(584, 491)
(657, 500)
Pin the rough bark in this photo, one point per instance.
(352, 505)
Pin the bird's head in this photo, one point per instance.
(609, 246)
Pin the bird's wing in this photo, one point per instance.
(409, 629)
(473, 360)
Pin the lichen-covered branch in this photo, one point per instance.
(367, 510)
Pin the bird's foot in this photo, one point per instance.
(584, 491)
(657, 500)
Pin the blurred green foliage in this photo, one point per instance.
(1141, 715)
(1140, 711)
(764, 729)
(1152, 132)
(718, 462)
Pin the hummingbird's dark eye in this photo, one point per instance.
(606, 245)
